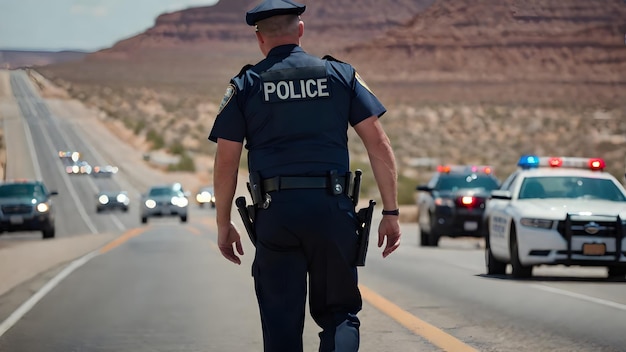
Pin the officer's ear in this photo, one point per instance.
(300, 29)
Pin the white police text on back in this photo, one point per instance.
(296, 89)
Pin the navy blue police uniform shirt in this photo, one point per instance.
(293, 110)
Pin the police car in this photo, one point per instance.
(557, 210)
(453, 202)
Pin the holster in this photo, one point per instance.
(247, 213)
(364, 217)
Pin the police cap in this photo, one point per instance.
(269, 8)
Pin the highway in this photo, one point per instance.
(165, 287)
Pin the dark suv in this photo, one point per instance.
(453, 202)
(26, 206)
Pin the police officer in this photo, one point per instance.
(293, 110)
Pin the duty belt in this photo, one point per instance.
(302, 182)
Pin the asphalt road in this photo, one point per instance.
(165, 287)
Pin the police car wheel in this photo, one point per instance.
(519, 271)
(183, 218)
(424, 238)
(144, 220)
(432, 236)
(48, 233)
(494, 266)
(616, 272)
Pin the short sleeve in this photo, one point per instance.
(364, 102)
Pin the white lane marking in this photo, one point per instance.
(33, 153)
(581, 297)
(49, 286)
(117, 222)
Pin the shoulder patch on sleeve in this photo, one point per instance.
(230, 91)
(330, 58)
(244, 69)
(362, 82)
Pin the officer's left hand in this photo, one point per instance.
(389, 228)
(226, 237)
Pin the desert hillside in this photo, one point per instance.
(480, 81)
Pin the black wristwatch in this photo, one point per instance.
(395, 212)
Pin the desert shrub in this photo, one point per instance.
(177, 149)
(139, 126)
(155, 139)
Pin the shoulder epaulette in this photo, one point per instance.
(330, 58)
(244, 69)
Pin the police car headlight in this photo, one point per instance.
(444, 202)
(537, 223)
(150, 204)
(43, 207)
(103, 199)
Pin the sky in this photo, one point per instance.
(85, 25)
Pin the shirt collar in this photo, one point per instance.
(284, 50)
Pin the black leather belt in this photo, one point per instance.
(298, 182)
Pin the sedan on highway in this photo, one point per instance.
(206, 195)
(557, 210)
(164, 201)
(25, 205)
(112, 200)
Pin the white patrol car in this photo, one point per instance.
(557, 211)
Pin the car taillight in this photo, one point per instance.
(468, 201)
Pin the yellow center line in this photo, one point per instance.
(122, 239)
(431, 333)
(194, 230)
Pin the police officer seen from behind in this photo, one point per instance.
(293, 111)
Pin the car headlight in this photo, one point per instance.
(150, 203)
(537, 223)
(180, 201)
(103, 199)
(122, 198)
(43, 207)
(444, 202)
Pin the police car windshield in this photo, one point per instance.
(452, 182)
(570, 187)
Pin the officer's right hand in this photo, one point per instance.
(389, 229)
(226, 237)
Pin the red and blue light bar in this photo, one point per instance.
(534, 161)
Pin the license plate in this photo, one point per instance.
(16, 219)
(470, 226)
(594, 249)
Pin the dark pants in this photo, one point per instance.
(307, 232)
